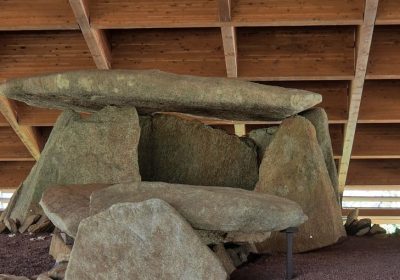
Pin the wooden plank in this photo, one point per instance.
(13, 173)
(225, 10)
(35, 116)
(28, 135)
(364, 39)
(296, 53)
(374, 172)
(181, 51)
(36, 15)
(3, 121)
(384, 57)
(95, 38)
(388, 12)
(230, 50)
(297, 12)
(105, 14)
(26, 53)
(377, 141)
(380, 102)
(374, 212)
(11, 147)
(372, 188)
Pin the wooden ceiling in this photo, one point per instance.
(347, 50)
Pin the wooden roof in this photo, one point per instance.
(347, 50)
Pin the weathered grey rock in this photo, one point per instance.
(145, 148)
(12, 277)
(210, 237)
(189, 152)
(2, 227)
(66, 206)
(98, 149)
(377, 229)
(224, 257)
(43, 225)
(294, 167)
(209, 208)
(155, 91)
(263, 137)
(353, 215)
(146, 240)
(30, 220)
(319, 118)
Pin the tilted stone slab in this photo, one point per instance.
(155, 91)
(189, 152)
(209, 208)
(143, 241)
(67, 206)
(98, 149)
(319, 118)
(294, 167)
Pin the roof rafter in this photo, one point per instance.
(364, 40)
(96, 39)
(28, 135)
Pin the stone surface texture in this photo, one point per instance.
(263, 137)
(209, 208)
(189, 152)
(152, 241)
(98, 149)
(319, 118)
(155, 91)
(294, 168)
(66, 206)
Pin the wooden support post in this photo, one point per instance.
(225, 10)
(28, 135)
(230, 50)
(364, 39)
(95, 38)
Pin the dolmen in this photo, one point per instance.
(145, 193)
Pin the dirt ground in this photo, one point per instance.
(365, 258)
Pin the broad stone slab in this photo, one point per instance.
(146, 240)
(66, 206)
(189, 152)
(319, 119)
(98, 149)
(209, 208)
(155, 91)
(294, 167)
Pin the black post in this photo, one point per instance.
(289, 252)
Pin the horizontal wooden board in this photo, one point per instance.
(11, 147)
(36, 15)
(374, 172)
(12, 174)
(35, 116)
(384, 56)
(296, 53)
(388, 12)
(377, 141)
(374, 212)
(297, 12)
(153, 13)
(3, 121)
(335, 96)
(181, 51)
(35, 53)
(380, 102)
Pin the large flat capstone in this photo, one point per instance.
(155, 91)
(144, 241)
(209, 208)
(99, 149)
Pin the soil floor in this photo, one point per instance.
(365, 258)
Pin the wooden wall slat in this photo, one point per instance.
(374, 172)
(297, 12)
(388, 12)
(36, 15)
(11, 147)
(12, 174)
(181, 51)
(35, 53)
(153, 13)
(311, 53)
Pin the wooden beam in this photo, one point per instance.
(95, 38)
(364, 39)
(225, 10)
(230, 50)
(28, 135)
(372, 188)
(374, 212)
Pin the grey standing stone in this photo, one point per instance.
(209, 208)
(263, 137)
(98, 149)
(145, 149)
(147, 240)
(67, 206)
(155, 91)
(319, 119)
(294, 168)
(188, 152)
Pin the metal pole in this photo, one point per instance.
(289, 252)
